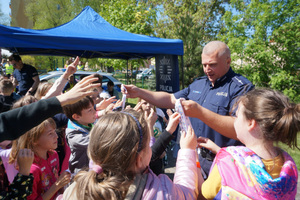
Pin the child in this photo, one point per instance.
(42, 140)
(7, 157)
(259, 170)
(6, 95)
(21, 187)
(81, 116)
(119, 148)
(112, 92)
(42, 90)
(157, 165)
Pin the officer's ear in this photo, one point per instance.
(228, 61)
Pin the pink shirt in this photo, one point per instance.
(45, 173)
(10, 169)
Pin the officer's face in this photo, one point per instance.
(16, 64)
(215, 66)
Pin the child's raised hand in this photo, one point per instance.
(173, 122)
(71, 69)
(118, 104)
(79, 91)
(138, 106)
(63, 179)
(169, 112)
(150, 117)
(208, 144)
(105, 102)
(25, 160)
(188, 140)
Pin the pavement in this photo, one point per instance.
(170, 170)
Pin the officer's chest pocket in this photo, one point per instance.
(194, 95)
(220, 105)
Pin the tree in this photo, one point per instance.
(264, 39)
(132, 16)
(195, 23)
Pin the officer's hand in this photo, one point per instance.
(191, 108)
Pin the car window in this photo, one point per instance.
(105, 79)
(78, 77)
(53, 79)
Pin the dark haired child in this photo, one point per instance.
(81, 116)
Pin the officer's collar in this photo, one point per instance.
(224, 78)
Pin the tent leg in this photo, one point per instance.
(127, 74)
(182, 75)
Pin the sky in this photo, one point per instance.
(5, 10)
(5, 6)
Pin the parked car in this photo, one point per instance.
(53, 75)
(147, 73)
(134, 73)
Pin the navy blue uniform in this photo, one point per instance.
(219, 99)
(24, 78)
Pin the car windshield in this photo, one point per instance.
(146, 71)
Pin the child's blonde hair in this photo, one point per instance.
(29, 139)
(42, 90)
(278, 118)
(115, 142)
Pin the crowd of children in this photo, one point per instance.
(85, 147)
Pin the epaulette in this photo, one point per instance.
(200, 77)
(240, 80)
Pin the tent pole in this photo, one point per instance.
(127, 74)
(182, 75)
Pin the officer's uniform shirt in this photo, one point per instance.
(24, 77)
(219, 98)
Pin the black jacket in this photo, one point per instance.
(16, 122)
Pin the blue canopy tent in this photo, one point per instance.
(87, 35)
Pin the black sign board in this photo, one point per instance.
(167, 73)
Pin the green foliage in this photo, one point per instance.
(264, 40)
(131, 16)
(194, 22)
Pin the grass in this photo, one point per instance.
(295, 153)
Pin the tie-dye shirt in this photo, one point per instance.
(244, 176)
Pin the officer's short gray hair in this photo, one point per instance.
(214, 46)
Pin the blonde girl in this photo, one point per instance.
(42, 140)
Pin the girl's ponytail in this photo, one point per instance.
(115, 141)
(278, 118)
(105, 185)
(289, 125)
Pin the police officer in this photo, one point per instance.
(24, 75)
(214, 94)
